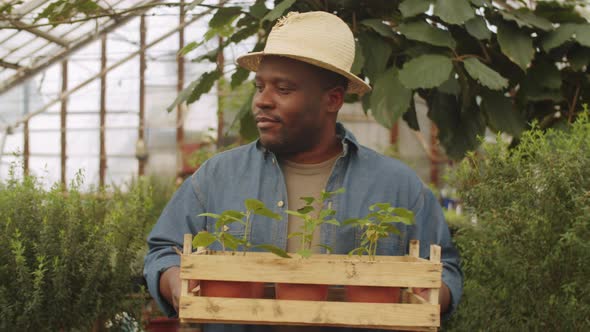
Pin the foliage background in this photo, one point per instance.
(71, 259)
(525, 261)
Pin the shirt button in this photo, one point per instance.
(280, 204)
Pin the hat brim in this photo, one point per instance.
(251, 61)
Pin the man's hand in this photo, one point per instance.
(170, 286)
(444, 296)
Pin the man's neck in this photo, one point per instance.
(318, 154)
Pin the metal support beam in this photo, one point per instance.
(179, 87)
(39, 33)
(25, 72)
(65, 95)
(103, 110)
(140, 133)
(9, 65)
(64, 110)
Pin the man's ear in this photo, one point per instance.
(335, 99)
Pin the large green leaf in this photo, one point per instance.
(188, 47)
(450, 86)
(427, 33)
(258, 9)
(359, 59)
(378, 26)
(478, 28)
(244, 33)
(273, 249)
(583, 34)
(579, 58)
(278, 11)
(501, 113)
(376, 52)
(427, 71)
(182, 96)
(516, 44)
(224, 16)
(204, 84)
(484, 74)
(203, 239)
(390, 99)
(525, 18)
(454, 11)
(239, 76)
(411, 8)
(458, 130)
(559, 36)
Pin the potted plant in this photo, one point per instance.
(203, 239)
(312, 219)
(378, 224)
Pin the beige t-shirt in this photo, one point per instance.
(304, 180)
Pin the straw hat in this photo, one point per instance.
(319, 38)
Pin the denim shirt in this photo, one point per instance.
(250, 171)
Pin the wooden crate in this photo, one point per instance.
(412, 314)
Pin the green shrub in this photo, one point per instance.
(526, 259)
(67, 258)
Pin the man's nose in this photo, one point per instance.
(263, 99)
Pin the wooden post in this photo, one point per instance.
(63, 112)
(179, 87)
(220, 120)
(435, 258)
(434, 178)
(26, 136)
(103, 89)
(187, 249)
(415, 248)
(142, 65)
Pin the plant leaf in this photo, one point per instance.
(484, 74)
(253, 204)
(211, 215)
(404, 213)
(523, 17)
(194, 4)
(204, 84)
(238, 77)
(230, 241)
(352, 221)
(501, 114)
(516, 44)
(454, 12)
(203, 239)
(390, 98)
(278, 11)
(478, 28)
(426, 71)
(295, 234)
(224, 16)
(273, 249)
(559, 36)
(295, 213)
(265, 212)
(359, 59)
(258, 9)
(188, 47)
(305, 209)
(305, 253)
(376, 52)
(308, 200)
(411, 8)
(328, 248)
(332, 222)
(378, 26)
(424, 32)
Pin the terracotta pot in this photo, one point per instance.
(237, 289)
(372, 294)
(163, 324)
(302, 292)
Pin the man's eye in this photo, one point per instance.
(258, 87)
(283, 89)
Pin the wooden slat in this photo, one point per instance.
(285, 312)
(409, 297)
(415, 248)
(187, 249)
(435, 258)
(332, 270)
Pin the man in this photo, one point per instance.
(301, 79)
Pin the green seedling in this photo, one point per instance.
(311, 221)
(228, 217)
(378, 224)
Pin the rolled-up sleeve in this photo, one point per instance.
(431, 228)
(178, 218)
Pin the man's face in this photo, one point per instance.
(289, 105)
